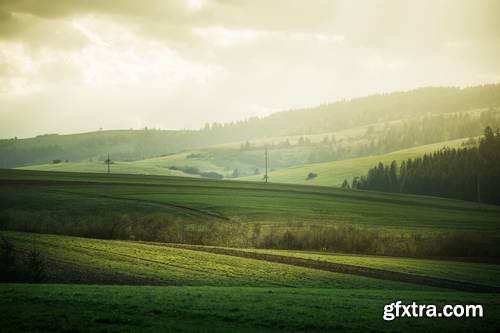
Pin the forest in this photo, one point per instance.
(468, 173)
(393, 121)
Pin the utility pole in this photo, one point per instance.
(265, 176)
(108, 162)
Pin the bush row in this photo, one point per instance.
(158, 227)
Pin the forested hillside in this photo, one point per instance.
(467, 173)
(390, 121)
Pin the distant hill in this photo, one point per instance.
(334, 173)
(391, 121)
(284, 162)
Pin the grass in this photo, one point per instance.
(54, 194)
(218, 293)
(124, 167)
(488, 274)
(334, 173)
(74, 259)
(287, 162)
(226, 309)
(221, 158)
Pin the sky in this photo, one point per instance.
(74, 66)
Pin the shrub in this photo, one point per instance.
(162, 227)
(195, 171)
(311, 175)
(34, 266)
(13, 269)
(8, 269)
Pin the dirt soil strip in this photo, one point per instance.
(348, 269)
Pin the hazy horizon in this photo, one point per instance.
(70, 66)
(241, 119)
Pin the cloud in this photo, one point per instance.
(181, 63)
(224, 37)
(376, 23)
(116, 57)
(92, 36)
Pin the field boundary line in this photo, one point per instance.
(347, 269)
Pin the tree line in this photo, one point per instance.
(471, 173)
(327, 118)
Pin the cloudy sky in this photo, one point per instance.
(71, 66)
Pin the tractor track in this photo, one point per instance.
(348, 269)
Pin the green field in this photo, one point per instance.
(99, 167)
(220, 158)
(334, 173)
(288, 163)
(245, 214)
(118, 262)
(227, 309)
(193, 287)
(488, 274)
(121, 262)
(138, 277)
(81, 193)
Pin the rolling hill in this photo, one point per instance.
(286, 163)
(171, 253)
(244, 214)
(334, 173)
(119, 262)
(223, 159)
(193, 285)
(416, 117)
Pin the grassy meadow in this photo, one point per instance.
(334, 173)
(127, 252)
(228, 309)
(484, 273)
(119, 262)
(84, 194)
(119, 286)
(287, 164)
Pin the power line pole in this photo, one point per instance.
(265, 176)
(108, 162)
